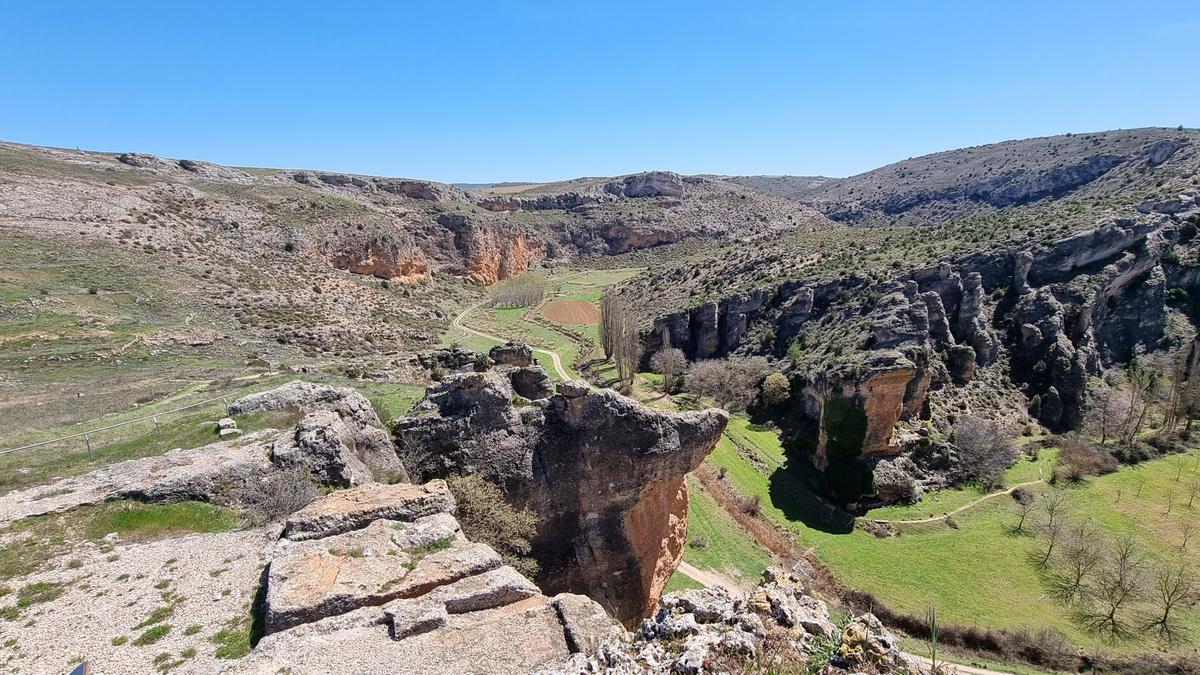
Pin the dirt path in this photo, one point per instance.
(458, 323)
(709, 578)
(962, 508)
(948, 667)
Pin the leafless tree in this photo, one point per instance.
(1143, 385)
(984, 450)
(1054, 505)
(1081, 556)
(1025, 502)
(670, 362)
(525, 290)
(1171, 590)
(1079, 458)
(609, 322)
(1189, 528)
(626, 344)
(1106, 411)
(1118, 585)
(731, 382)
(1193, 489)
(1183, 389)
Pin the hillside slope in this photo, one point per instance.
(1124, 166)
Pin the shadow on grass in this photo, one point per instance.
(793, 492)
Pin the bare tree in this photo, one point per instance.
(1119, 584)
(984, 451)
(626, 344)
(1025, 500)
(1106, 411)
(609, 321)
(671, 363)
(731, 382)
(1081, 556)
(1079, 458)
(1189, 528)
(1143, 385)
(1193, 489)
(1171, 589)
(1054, 505)
(525, 290)
(1183, 389)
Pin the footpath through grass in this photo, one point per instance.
(974, 568)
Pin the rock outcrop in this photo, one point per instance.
(778, 626)
(380, 579)
(369, 441)
(868, 356)
(384, 259)
(604, 474)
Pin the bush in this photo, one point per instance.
(1079, 458)
(486, 517)
(776, 389)
(279, 495)
(984, 451)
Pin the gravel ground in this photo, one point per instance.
(208, 579)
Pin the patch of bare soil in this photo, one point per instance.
(572, 312)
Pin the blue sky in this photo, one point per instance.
(523, 90)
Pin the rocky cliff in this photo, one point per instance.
(604, 474)
(865, 355)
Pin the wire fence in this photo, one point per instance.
(87, 435)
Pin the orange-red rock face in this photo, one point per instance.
(385, 262)
(657, 531)
(495, 258)
(883, 396)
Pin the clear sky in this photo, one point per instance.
(525, 90)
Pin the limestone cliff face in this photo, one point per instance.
(604, 474)
(867, 355)
(385, 260)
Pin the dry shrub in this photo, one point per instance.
(486, 517)
(279, 495)
(1079, 458)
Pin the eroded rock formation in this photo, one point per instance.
(869, 355)
(604, 474)
(777, 623)
(381, 579)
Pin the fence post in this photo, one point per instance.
(157, 429)
(88, 439)
(226, 402)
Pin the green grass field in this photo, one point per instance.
(723, 546)
(978, 573)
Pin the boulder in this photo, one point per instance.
(512, 354)
(323, 447)
(408, 596)
(372, 444)
(532, 382)
(348, 510)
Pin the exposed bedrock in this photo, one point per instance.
(365, 434)
(604, 474)
(1047, 316)
(381, 578)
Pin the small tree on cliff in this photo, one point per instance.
(776, 389)
(486, 517)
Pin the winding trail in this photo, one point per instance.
(964, 507)
(458, 323)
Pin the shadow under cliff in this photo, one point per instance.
(793, 490)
